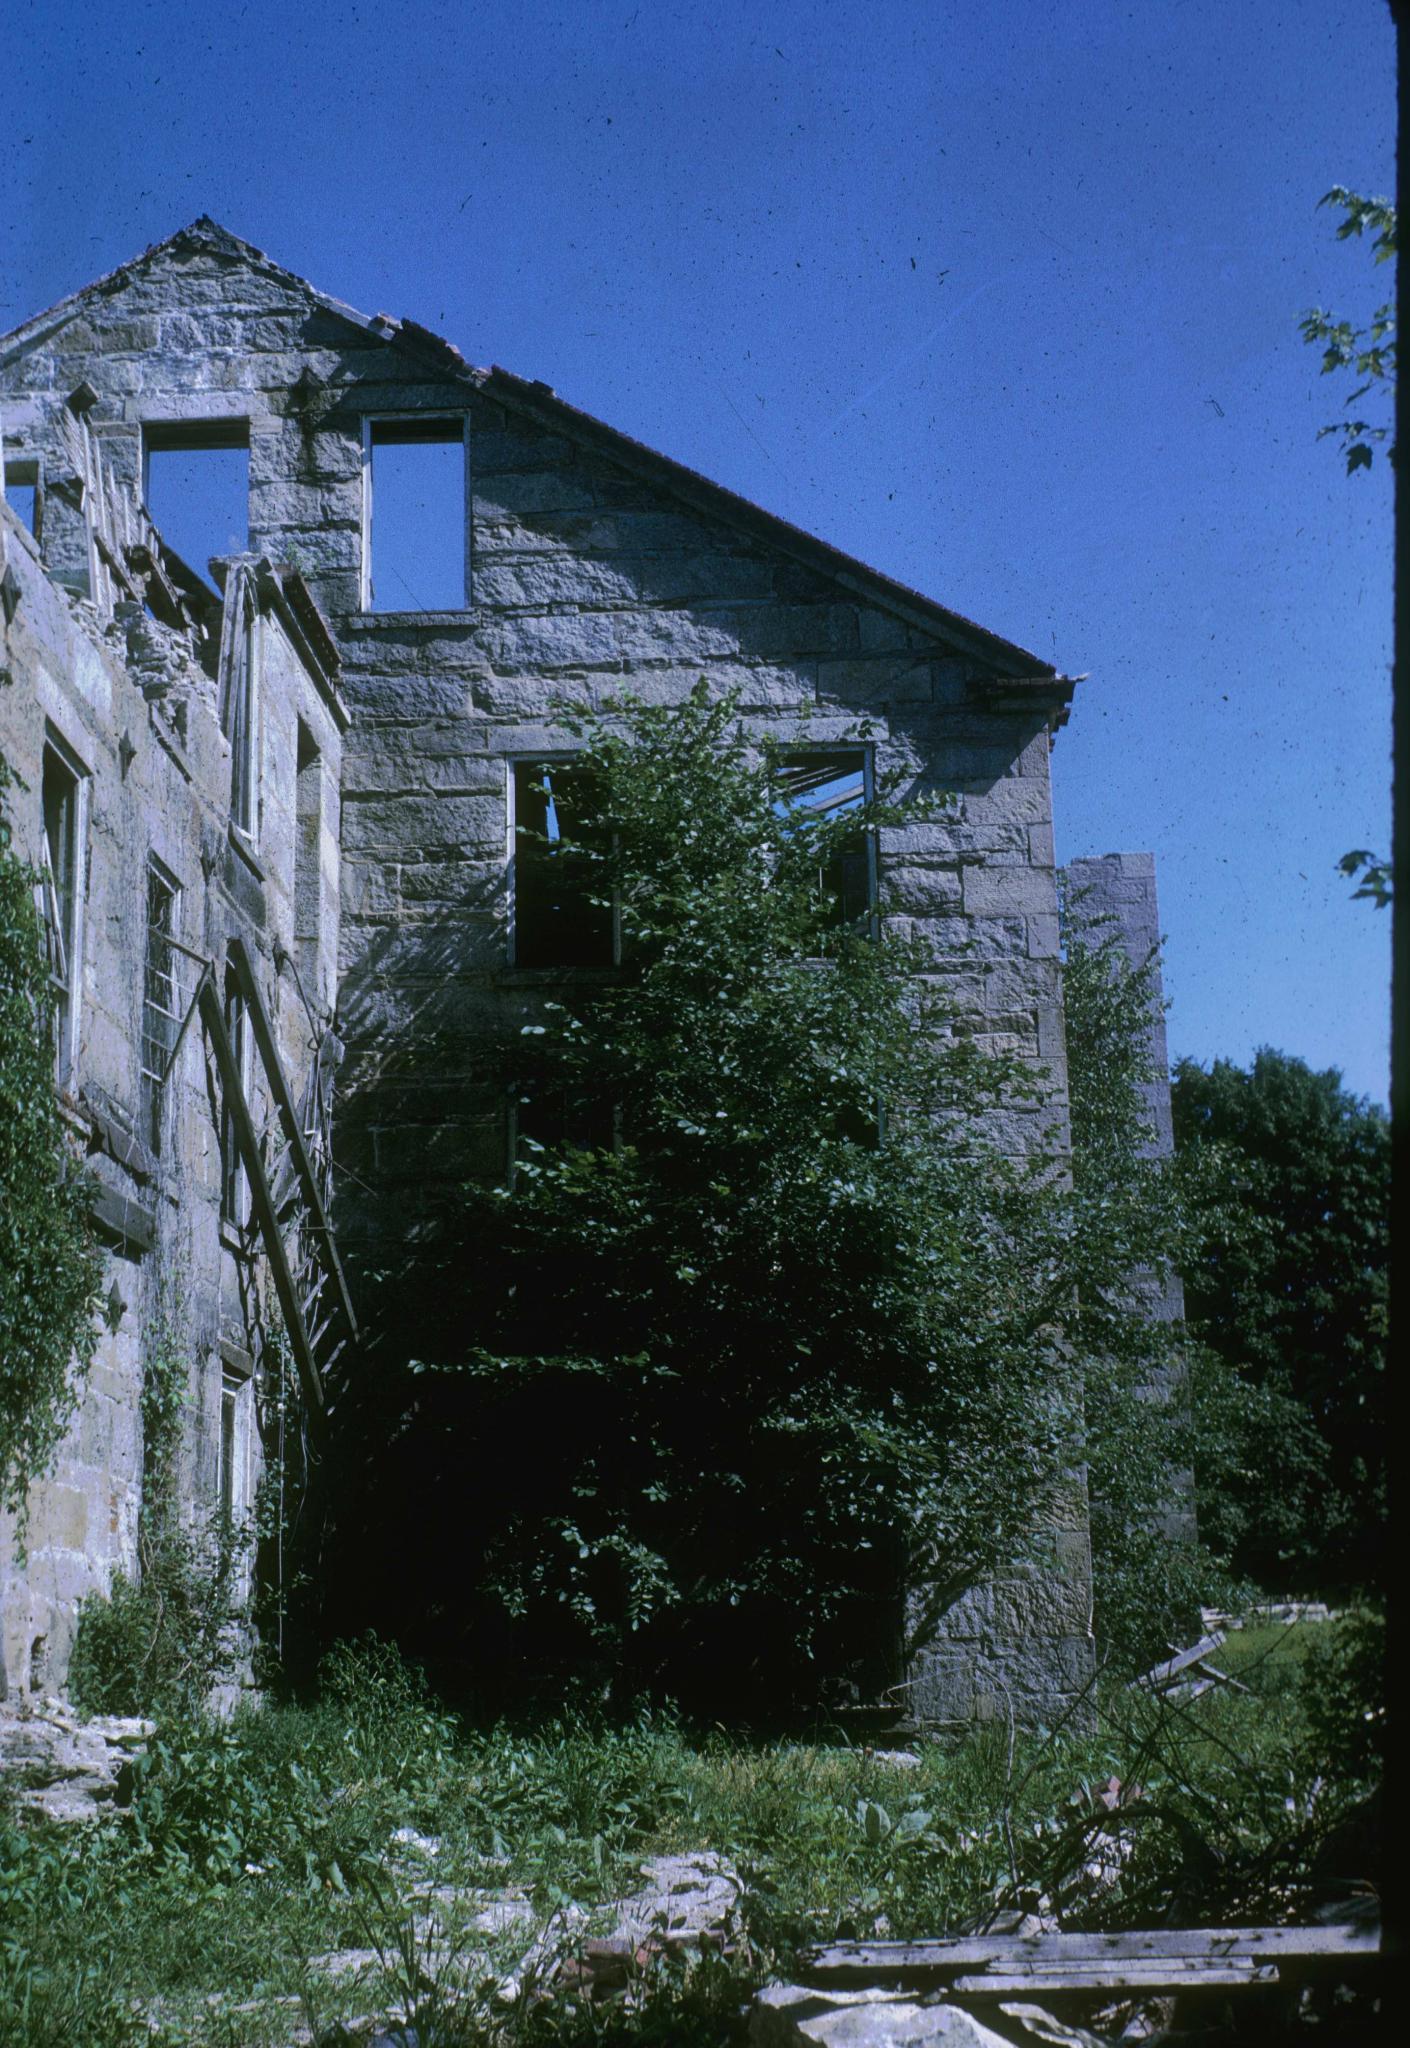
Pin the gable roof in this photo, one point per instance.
(1024, 676)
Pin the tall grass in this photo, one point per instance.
(249, 1848)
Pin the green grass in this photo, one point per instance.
(253, 1846)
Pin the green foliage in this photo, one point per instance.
(391, 1726)
(157, 1646)
(801, 1341)
(1140, 1221)
(1368, 354)
(1345, 1695)
(1365, 353)
(247, 1848)
(49, 1266)
(1290, 1293)
(1376, 877)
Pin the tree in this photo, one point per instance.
(48, 1264)
(1367, 353)
(763, 1331)
(1291, 1293)
(1147, 1467)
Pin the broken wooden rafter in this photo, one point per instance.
(319, 1226)
(1162, 1675)
(261, 1200)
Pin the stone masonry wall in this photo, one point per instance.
(138, 718)
(591, 572)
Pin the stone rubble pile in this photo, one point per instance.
(59, 1764)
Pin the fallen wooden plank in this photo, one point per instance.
(878, 1962)
(1161, 1674)
(1186, 1975)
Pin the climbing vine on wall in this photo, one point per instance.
(49, 1265)
(159, 1643)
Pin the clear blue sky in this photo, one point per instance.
(999, 295)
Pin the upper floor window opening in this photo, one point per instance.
(234, 1181)
(240, 700)
(234, 1451)
(829, 783)
(161, 1001)
(415, 511)
(308, 861)
(64, 800)
(196, 484)
(559, 918)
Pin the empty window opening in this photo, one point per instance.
(240, 715)
(415, 482)
(561, 918)
(61, 866)
(23, 494)
(196, 481)
(828, 785)
(161, 1001)
(234, 1471)
(234, 1182)
(308, 860)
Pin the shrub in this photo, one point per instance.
(158, 1646)
(1344, 1678)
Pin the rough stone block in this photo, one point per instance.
(1008, 892)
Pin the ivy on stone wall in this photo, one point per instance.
(160, 1643)
(49, 1265)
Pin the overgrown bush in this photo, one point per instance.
(49, 1265)
(390, 1724)
(801, 1344)
(248, 1847)
(1146, 1460)
(1345, 1694)
(158, 1645)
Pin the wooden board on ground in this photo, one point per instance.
(1155, 1958)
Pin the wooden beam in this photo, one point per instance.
(239, 959)
(1162, 1674)
(262, 1202)
(1182, 1973)
(1021, 1955)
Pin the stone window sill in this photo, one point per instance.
(556, 977)
(243, 846)
(372, 622)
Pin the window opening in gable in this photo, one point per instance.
(555, 875)
(196, 481)
(161, 1000)
(827, 785)
(415, 554)
(61, 868)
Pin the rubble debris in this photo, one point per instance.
(57, 1764)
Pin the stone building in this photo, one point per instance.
(314, 767)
